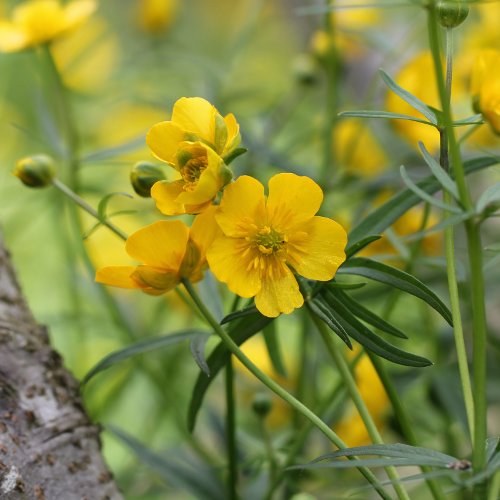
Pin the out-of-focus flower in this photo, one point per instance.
(485, 87)
(351, 427)
(194, 119)
(203, 174)
(40, 21)
(357, 149)
(156, 16)
(169, 251)
(35, 171)
(263, 239)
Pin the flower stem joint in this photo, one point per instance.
(35, 171)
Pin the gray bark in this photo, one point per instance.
(49, 449)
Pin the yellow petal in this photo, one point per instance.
(77, 11)
(12, 39)
(149, 277)
(195, 115)
(293, 199)
(163, 140)
(279, 295)
(233, 132)
(119, 276)
(161, 244)
(241, 206)
(316, 249)
(204, 230)
(165, 195)
(231, 265)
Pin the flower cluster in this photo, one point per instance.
(253, 242)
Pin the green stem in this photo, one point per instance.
(276, 388)
(269, 449)
(494, 492)
(358, 401)
(232, 453)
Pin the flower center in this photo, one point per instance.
(268, 240)
(193, 168)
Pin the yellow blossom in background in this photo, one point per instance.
(357, 149)
(265, 239)
(485, 86)
(169, 251)
(193, 119)
(156, 16)
(39, 21)
(203, 174)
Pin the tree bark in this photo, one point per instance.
(49, 449)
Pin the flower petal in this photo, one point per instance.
(242, 206)
(293, 199)
(163, 140)
(12, 38)
(77, 11)
(119, 276)
(161, 244)
(204, 230)
(279, 294)
(166, 196)
(316, 249)
(233, 133)
(231, 264)
(195, 115)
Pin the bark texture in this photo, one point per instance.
(49, 449)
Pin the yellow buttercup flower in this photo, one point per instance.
(156, 16)
(39, 21)
(485, 86)
(264, 240)
(169, 250)
(193, 119)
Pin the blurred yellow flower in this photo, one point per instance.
(193, 119)
(156, 16)
(203, 174)
(39, 21)
(169, 250)
(357, 149)
(263, 239)
(485, 86)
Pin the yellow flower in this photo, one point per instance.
(156, 15)
(193, 119)
(485, 86)
(39, 21)
(203, 174)
(263, 240)
(169, 250)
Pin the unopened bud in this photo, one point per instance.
(262, 404)
(305, 70)
(452, 13)
(35, 171)
(143, 176)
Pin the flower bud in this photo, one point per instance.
(35, 171)
(305, 70)
(452, 13)
(262, 404)
(143, 176)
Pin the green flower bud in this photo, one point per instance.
(452, 13)
(35, 171)
(143, 176)
(305, 70)
(262, 404)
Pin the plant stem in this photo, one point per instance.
(358, 401)
(276, 388)
(232, 453)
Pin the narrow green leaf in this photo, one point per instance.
(273, 348)
(470, 120)
(141, 347)
(490, 195)
(113, 152)
(426, 197)
(366, 315)
(359, 332)
(383, 273)
(384, 114)
(444, 179)
(240, 331)
(197, 347)
(370, 462)
(103, 204)
(358, 246)
(412, 100)
(491, 447)
(382, 217)
(346, 286)
(233, 155)
(247, 311)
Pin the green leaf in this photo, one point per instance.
(113, 152)
(195, 478)
(383, 273)
(233, 155)
(273, 348)
(426, 197)
(412, 100)
(242, 313)
(103, 204)
(141, 347)
(384, 114)
(490, 195)
(370, 462)
(197, 347)
(439, 173)
(358, 246)
(346, 286)
(382, 217)
(470, 120)
(367, 316)
(491, 446)
(359, 332)
(240, 330)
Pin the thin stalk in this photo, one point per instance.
(273, 466)
(494, 492)
(358, 401)
(276, 388)
(232, 452)
(475, 256)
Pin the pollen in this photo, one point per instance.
(268, 240)
(193, 168)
